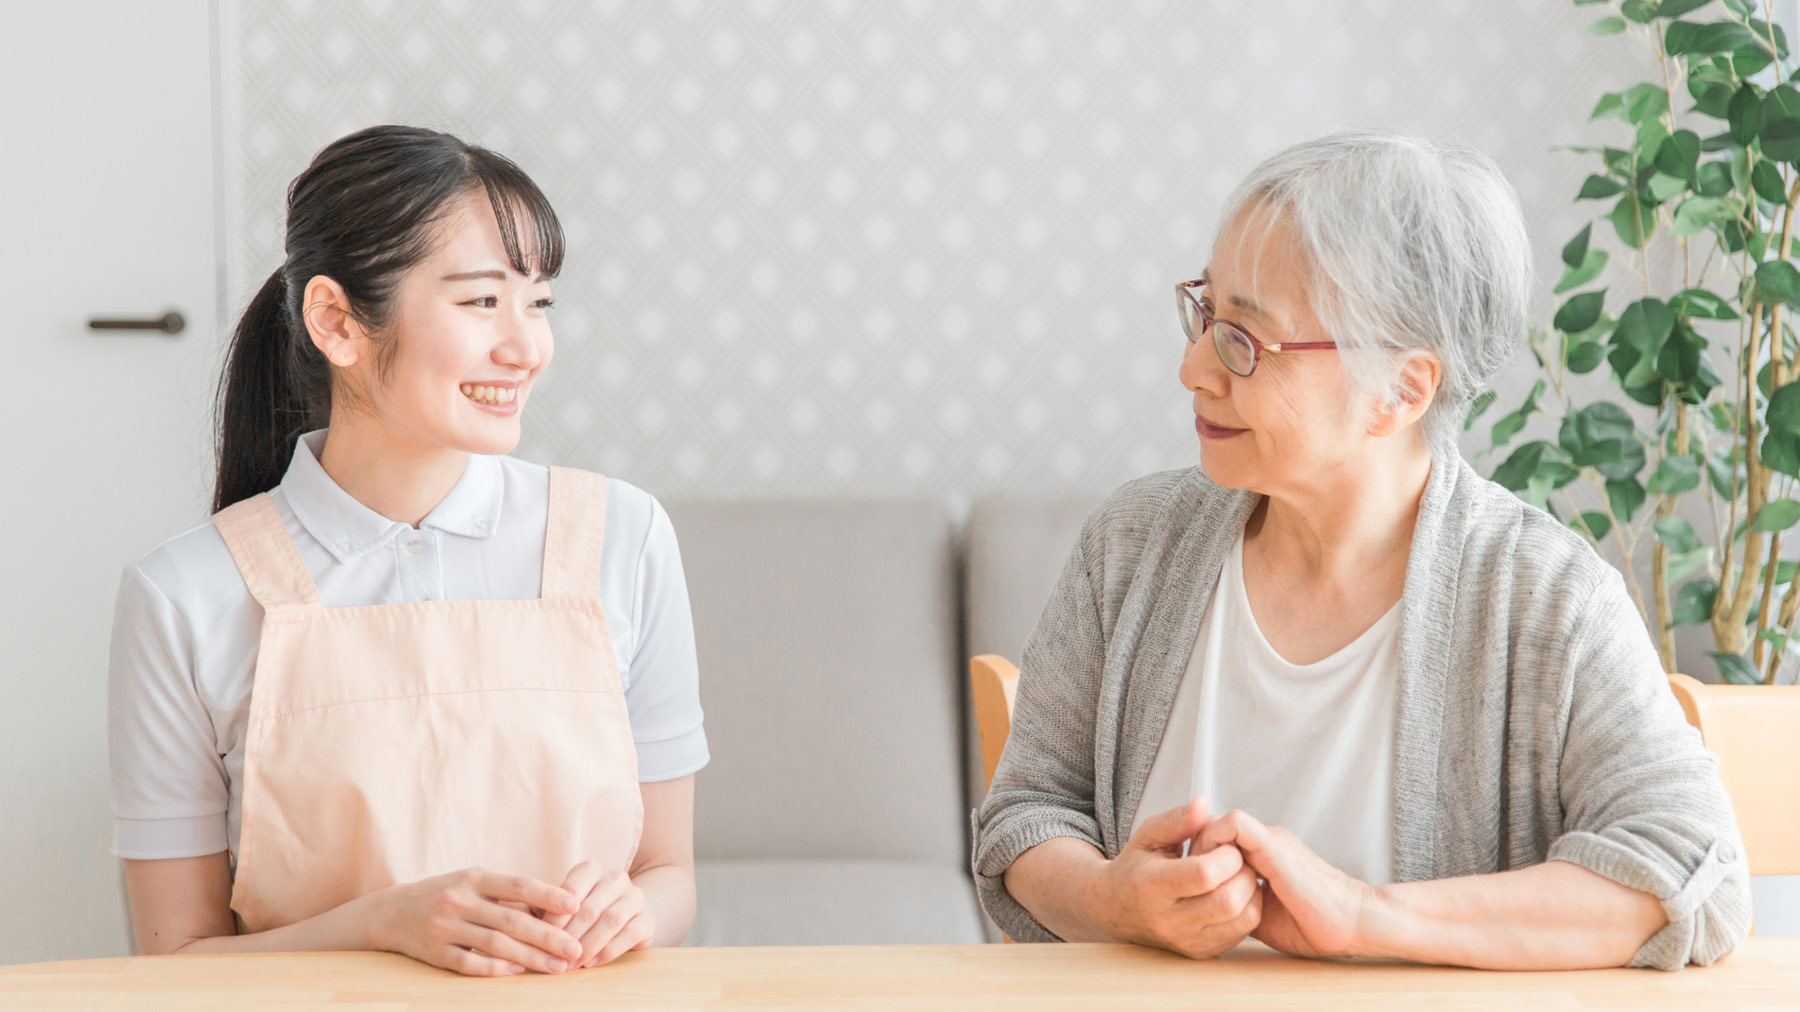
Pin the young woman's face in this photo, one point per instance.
(471, 337)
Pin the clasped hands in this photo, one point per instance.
(1238, 879)
(486, 923)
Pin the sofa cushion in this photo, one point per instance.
(827, 636)
(833, 903)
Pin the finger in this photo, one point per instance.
(579, 883)
(633, 935)
(599, 899)
(551, 943)
(611, 921)
(1218, 832)
(493, 942)
(1222, 905)
(476, 964)
(529, 891)
(1172, 828)
(1271, 854)
(1195, 875)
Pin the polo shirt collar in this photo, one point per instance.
(349, 529)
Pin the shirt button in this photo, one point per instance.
(481, 525)
(415, 546)
(343, 544)
(1727, 853)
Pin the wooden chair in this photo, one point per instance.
(994, 681)
(1755, 732)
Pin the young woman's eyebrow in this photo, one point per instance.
(491, 274)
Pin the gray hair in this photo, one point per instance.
(1414, 246)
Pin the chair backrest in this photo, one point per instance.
(830, 678)
(1755, 732)
(994, 683)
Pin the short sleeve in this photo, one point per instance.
(662, 690)
(169, 787)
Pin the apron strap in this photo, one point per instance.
(574, 534)
(265, 554)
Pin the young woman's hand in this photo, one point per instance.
(1198, 905)
(1309, 908)
(475, 921)
(614, 917)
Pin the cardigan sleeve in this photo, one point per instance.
(1044, 784)
(1642, 801)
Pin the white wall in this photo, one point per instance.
(855, 248)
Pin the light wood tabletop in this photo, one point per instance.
(1763, 973)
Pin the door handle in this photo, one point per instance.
(170, 322)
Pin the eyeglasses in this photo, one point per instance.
(1237, 349)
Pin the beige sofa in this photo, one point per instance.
(833, 640)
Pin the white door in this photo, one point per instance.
(106, 210)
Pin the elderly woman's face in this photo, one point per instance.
(1277, 428)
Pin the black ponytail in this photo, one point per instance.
(363, 214)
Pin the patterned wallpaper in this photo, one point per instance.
(911, 247)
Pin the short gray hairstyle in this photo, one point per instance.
(1413, 246)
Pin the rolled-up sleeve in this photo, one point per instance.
(1044, 785)
(1642, 801)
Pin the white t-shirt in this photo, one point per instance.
(1306, 746)
(186, 631)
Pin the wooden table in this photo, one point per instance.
(1764, 973)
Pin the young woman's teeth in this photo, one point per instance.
(489, 395)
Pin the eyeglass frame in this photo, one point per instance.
(1184, 290)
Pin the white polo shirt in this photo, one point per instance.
(186, 631)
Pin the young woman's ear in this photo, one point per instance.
(329, 322)
(1417, 386)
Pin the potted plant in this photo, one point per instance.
(1670, 373)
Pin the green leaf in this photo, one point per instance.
(1607, 26)
(1765, 179)
(1586, 357)
(1742, 8)
(1626, 498)
(1576, 250)
(1777, 515)
(1582, 273)
(1679, 156)
(1742, 113)
(1699, 302)
(1677, 533)
(1641, 11)
(1695, 214)
(1676, 8)
(1594, 523)
(1633, 222)
(1783, 414)
(1781, 452)
(1580, 312)
(1694, 601)
(1595, 187)
(1644, 325)
(1735, 670)
(1509, 426)
(1662, 186)
(1644, 103)
(1749, 61)
(1778, 279)
(1610, 104)
(1478, 408)
(1714, 179)
(1705, 39)
(1516, 472)
(1674, 476)
(1778, 123)
(1679, 360)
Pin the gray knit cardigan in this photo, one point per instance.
(1535, 722)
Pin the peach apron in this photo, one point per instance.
(392, 742)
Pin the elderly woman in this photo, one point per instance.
(1331, 688)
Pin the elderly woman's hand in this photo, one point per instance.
(1198, 905)
(1309, 908)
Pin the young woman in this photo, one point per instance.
(404, 692)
